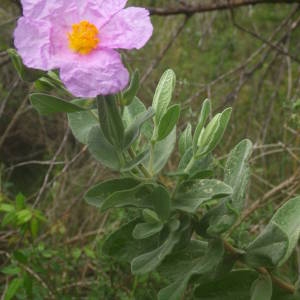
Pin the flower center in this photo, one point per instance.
(84, 37)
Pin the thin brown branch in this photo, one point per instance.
(34, 275)
(13, 120)
(161, 55)
(208, 7)
(265, 199)
(46, 179)
(266, 41)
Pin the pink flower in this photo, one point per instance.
(79, 37)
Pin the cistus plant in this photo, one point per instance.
(185, 223)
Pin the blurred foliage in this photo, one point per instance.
(59, 253)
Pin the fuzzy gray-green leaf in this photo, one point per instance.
(47, 104)
(185, 139)
(205, 111)
(168, 122)
(102, 150)
(192, 194)
(81, 123)
(163, 94)
(277, 241)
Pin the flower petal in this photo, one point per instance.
(45, 9)
(130, 28)
(32, 40)
(99, 11)
(109, 8)
(99, 73)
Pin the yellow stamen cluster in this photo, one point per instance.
(84, 37)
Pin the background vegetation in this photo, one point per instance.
(50, 239)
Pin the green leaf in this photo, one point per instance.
(135, 197)
(23, 216)
(13, 288)
(131, 92)
(44, 84)
(26, 74)
(47, 104)
(163, 94)
(50, 81)
(136, 161)
(199, 165)
(180, 262)
(296, 104)
(9, 218)
(195, 260)
(222, 217)
(129, 192)
(214, 132)
(150, 216)
(160, 201)
(192, 194)
(11, 270)
(17, 61)
(99, 193)
(110, 120)
(262, 288)
(131, 111)
(235, 285)
(145, 230)
(207, 132)
(147, 262)
(21, 256)
(162, 151)
(185, 140)
(237, 172)
(205, 111)
(124, 247)
(102, 150)
(133, 131)
(4, 207)
(277, 241)
(81, 124)
(34, 227)
(20, 201)
(168, 122)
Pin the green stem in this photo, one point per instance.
(94, 115)
(151, 162)
(135, 284)
(141, 167)
(190, 165)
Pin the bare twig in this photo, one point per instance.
(13, 121)
(265, 199)
(65, 138)
(4, 101)
(160, 56)
(35, 162)
(213, 6)
(267, 41)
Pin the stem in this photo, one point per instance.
(151, 156)
(141, 167)
(286, 286)
(186, 170)
(94, 115)
(190, 165)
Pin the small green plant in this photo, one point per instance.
(24, 223)
(183, 220)
(20, 216)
